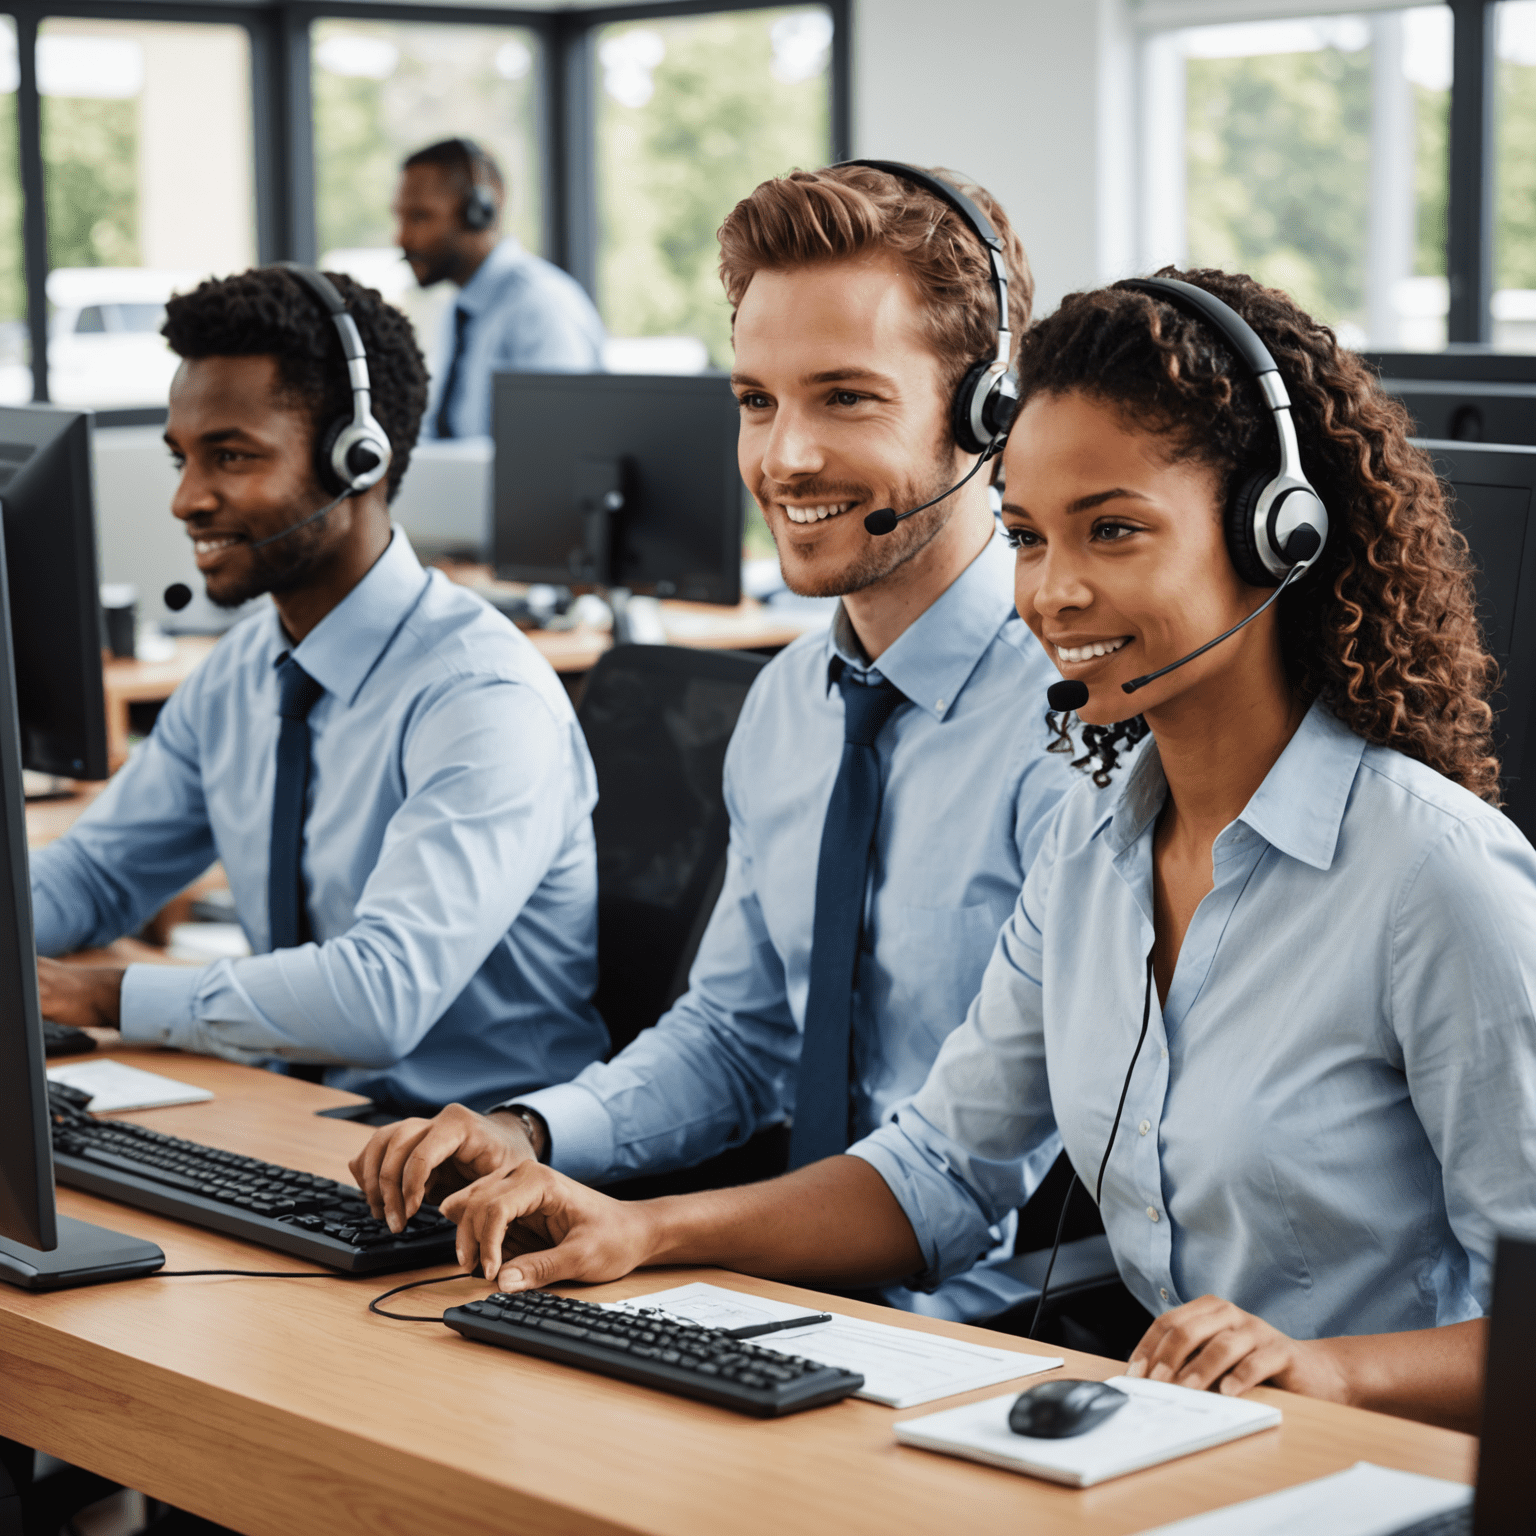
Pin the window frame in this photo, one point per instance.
(1471, 154)
(283, 131)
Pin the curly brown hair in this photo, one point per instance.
(1384, 629)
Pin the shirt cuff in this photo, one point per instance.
(157, 1006)
(581, 1143)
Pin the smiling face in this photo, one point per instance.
(1121, 565)
(844, 409)
(429, 226)
(247, 472)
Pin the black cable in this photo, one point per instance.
(1125, 1088)
(411, 1285)
(249, 1274)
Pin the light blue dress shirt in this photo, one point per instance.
(967, 782)
(1335, 1111)
(448, 852)
(526, 316)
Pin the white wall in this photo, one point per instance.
(1034, 99)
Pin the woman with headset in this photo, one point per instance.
(1273, 973)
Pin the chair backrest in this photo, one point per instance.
(657, 720)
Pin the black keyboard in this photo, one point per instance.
(706, 1363)
(1449, 1522)
(315, 1218)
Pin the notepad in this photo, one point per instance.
(114, 1085)
(901, 1367)
(1365, 1500)
(1161, 1422)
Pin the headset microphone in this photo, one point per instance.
(1067, 695)
(177, 596)
(884, 520)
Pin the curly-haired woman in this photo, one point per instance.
(1284, 954)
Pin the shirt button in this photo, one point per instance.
(1144, 1127)
(1151, 1213)
(938, 704)
(1163, 1292)
(1165, 1053)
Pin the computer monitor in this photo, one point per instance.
(39, 1249)
(1465, 395)
(1495, 507)
(619, 480)
(50, 537)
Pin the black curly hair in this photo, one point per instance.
(1384, 630)
(268, 312)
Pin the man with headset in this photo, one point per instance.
(886, 781)
(391, 775)
(515, 313)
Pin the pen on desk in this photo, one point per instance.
(756, 1330)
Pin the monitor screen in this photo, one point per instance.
(26, 1160)
(50, 539)
(1495, 497)
(619, 480)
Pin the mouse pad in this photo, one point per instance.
(1159, 1423)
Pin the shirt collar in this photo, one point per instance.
(1299, 807)
(340, 651)
(481, 288)
(933, 657)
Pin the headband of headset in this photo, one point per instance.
(354, 451)
(1277, 522)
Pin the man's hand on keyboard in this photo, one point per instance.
(529, 1226)
(86, 996)
(415, 1160)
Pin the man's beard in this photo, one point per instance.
(438, 268)
(282, 566)
(880, 556)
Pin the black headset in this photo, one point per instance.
(479, 210)
(987, 398)
(352, 453)
(1276, 524)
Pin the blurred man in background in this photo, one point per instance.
(515, 312)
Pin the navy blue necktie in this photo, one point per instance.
(287, 910)
(822, 1102)
(451, 383)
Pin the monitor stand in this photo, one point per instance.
(86, 1255)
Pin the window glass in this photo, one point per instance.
(147, 159)
(15, 349)
(384, 89)
(1514, 298)
(1312, 154)
(693, 112)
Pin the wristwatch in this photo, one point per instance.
(534, 1126)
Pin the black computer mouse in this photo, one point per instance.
(1056, 1409)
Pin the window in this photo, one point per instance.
(692, 113)
(1312, 153)
(15, 350)
(1514, 254)
(146, 135)
(384, 89)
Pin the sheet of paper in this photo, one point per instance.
(114, 1085)
(1159, 1423)
(901, 1367)
(1366, 1500)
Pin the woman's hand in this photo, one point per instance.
(529, 1226)
(1209, 1343)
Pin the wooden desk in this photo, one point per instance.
(282, 1408)
(146, 682)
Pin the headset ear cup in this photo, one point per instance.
(325, 446)
(1241, 542)
(978, 378)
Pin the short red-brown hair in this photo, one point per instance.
(810, 217)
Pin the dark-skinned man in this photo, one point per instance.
(391, 775)
(515, 313)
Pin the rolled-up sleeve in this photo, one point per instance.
(959, 1156)
(489, 802)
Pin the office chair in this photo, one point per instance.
(657, 720)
